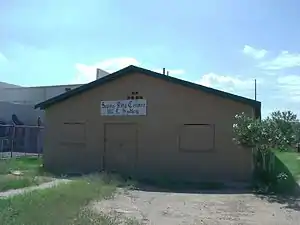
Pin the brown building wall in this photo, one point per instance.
(158, 144)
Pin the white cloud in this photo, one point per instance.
(114, 64)
(3, 58)
(270, 73)
(253, 52)
(282, 61)
(87, 73)
(226, 83)
(290, 86)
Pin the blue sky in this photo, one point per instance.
(224, 44)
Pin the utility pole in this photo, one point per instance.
(255, 90)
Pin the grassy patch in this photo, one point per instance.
(291, 160)
(61, 205)
(30, 169)
(283, 177)
(8, 182)
(28, 165)
(286, 190)
(287, 165)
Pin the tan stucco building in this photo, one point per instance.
(142, 123)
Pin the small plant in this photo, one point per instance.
(282, 176)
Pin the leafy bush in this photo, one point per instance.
(280, 130)
(285, 128)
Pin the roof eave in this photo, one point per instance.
(129, 69)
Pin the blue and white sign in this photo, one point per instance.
(136, 107)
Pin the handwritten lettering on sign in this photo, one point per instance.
(136, 107)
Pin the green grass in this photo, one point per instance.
(29, 165)
(287, 163)
(61, 205)
(32, 173)
(291, 160)
(11, 182)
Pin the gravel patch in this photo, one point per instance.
(169, 208)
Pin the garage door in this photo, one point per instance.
(120, 148)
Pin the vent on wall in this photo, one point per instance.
(134, 95)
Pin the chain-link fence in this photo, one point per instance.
(20, 140)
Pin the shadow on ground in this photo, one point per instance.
(193, 188)
(163, 185)
(290, 202)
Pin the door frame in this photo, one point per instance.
(104, 158)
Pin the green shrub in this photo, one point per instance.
(281, 131)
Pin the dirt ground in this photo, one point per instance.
(169, 208)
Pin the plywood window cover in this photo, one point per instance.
(71, 141)
(199, 150)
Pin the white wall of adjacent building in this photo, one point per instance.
(7, 85)
(20, 100)
(32, 95)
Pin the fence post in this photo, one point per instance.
(26, 139)
(12, 140)
(39, 140)
(2, 147)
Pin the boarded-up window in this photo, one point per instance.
(73, 132)
(197, 137)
